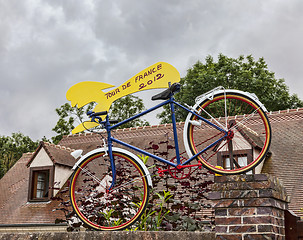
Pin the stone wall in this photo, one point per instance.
(249, 207)
(31, 228)
(111, 236)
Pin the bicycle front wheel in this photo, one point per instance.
(247, 141)
(103, 209)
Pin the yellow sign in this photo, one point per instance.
(155, 76)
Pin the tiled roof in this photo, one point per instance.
(286, 163)
(125, 133)
(140, 137)
(13, 198)
(58, 154)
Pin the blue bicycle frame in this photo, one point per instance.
(171, 101)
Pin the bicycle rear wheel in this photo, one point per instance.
(248, 138)
(118, 208)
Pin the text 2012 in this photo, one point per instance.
(149, 82)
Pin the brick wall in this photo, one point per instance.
(249, 207)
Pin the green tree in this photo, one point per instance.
(12, 148)
(70, 117)
(127, 107)
(242, 73)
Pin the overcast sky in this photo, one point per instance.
(47, 46)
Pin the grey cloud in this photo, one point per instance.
(47, 46)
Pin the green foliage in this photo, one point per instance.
(183, 216)
(143, 158)
(12, 148)
(70, 117)
(67, 117)
(108, 215)
(145, 222)
(127, 107)
(242, 73)
(154, 215)
(162, 209)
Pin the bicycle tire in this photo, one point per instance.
(114, 210)
(248, 126)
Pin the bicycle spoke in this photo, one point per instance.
(212, 118)
(242, 148)
(105, 209)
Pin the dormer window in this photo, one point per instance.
(49, 164)
(241, 158)
(40, 180)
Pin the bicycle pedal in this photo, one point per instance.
(161, 172)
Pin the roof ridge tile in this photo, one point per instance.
(286, 111)
(57, 146)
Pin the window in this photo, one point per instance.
(241, 158)
(40, 182)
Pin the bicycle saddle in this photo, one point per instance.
(166, 94)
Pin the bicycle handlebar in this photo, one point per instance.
(93, 114)
(97, 115)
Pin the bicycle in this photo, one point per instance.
(110, 186)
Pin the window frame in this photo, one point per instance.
(225, 154)
(32, 189)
